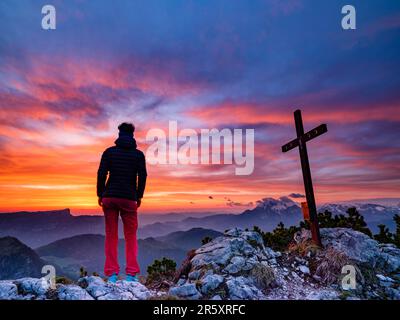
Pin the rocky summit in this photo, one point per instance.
(88, 288)
(238, 266)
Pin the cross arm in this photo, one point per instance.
(290, 145)
(321, 129)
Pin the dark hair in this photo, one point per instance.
(126, 128)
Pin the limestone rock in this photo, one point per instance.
(241, 288)
(138, 290)
(187, 291)
(323, 295)
(73, 292)
(34, 286)
(95, 286)
(237, 266)
(304, 269)
(211, 282)
(8, 290)
(361, 248)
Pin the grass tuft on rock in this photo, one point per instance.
(264, 276)
(329, 266)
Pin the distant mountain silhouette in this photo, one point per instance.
(374, 214)
(18, 260)
(190, 239)
(40, 228)
(267, 214)
(43, 227)
(87, 250)
(146, 218)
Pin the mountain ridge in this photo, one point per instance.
(238, 266)
(87, 250)
(38, 229)
(18, 260)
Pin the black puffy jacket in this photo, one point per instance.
(126, 169)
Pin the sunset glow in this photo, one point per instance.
(225, 65)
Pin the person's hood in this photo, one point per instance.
(126, 141)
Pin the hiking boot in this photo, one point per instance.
(113, 278)
(131, 278)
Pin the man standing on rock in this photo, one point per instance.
(121, 194)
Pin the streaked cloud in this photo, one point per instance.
(222, 64)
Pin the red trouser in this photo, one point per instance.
(112, 207)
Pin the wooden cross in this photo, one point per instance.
(300, 142)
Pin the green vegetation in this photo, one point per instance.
(263, 275)
(354, 220)
(206, 240)
(82, 272)
(161, 270)
(384, 236)
(254, 243)
(303, 248)
(329, 268)
(281, 237)
(326, 264)
(396, 237)
(63, 280)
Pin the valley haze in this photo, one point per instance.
(69, 242)
(40, 228)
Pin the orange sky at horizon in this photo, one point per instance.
(52, 162)
(60, 107)
(36, 185)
